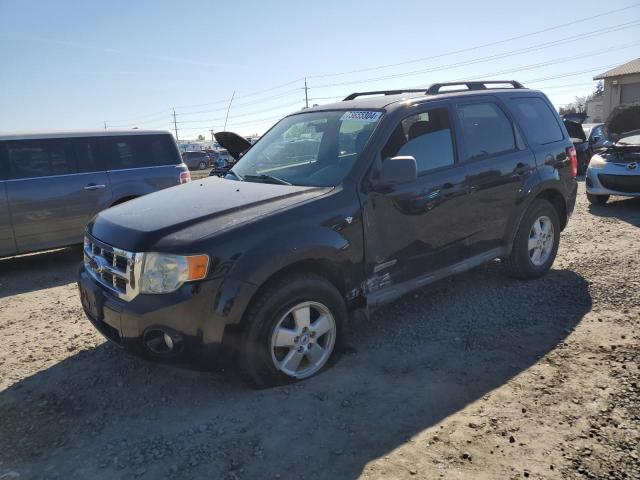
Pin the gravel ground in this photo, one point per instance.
(478, 376)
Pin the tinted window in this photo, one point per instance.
(137, 151)
(486, 130)
(426, 137)
(86, 151)
(39, 158)
(537, 119)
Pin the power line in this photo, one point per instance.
(477, 47)
(511, 53)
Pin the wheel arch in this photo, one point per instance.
(123, 199)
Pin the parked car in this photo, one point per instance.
(268, 263)
(52, 184)
(197, 160)
(615, 170)
(596, 136)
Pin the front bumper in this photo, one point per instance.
(599, 181)
(196, 317)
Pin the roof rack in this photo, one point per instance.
(471, 85)
(383, 92)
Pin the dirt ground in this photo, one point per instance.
(478, 376)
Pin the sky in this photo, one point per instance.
(69, 65)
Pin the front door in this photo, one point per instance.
(50, 197)
(414, 229)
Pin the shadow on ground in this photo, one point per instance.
(625, 209)
(37, 271)
(103, 414)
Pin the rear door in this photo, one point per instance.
(51, 199)
(141, 164)
(498, 166)
(7, 242)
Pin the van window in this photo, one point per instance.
(486, 130)
(86, 151)
(39, 158)
(137, 151)
(425, 136)
(537, 119)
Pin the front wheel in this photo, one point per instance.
(536, 242)
(202, 165)
(293, 329)
(597, 199)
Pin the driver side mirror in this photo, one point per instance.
(397, 170)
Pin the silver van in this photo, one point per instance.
(51, 185)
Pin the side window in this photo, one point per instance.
(86, 152)
(119, 152)
(598, 133)
(537, 119)
(426, 137)
(39, 158)
(486, 130)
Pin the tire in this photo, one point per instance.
(597, 199)
(202, 165)
(523, 263)
(258, 357)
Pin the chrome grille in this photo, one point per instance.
(115, 269)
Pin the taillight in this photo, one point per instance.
(185, 177)
(573, 161)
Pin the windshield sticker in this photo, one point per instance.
(362, 116)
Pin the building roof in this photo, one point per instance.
(628, 68)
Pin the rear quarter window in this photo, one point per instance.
(138, 151)
(39, 158)
(536, 118)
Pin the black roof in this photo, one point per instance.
(390, 100)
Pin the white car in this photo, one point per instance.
(615, 170)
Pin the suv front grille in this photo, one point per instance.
(621, 183)
(115, 269)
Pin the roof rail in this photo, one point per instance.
(383, 92)
(472, 85)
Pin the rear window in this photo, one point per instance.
(537, 119)
(39, 158)
(136, 151)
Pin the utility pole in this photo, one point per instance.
(306, 94)
(105, 125)
(229, 108)
(175, 124)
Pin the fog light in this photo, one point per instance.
(160, 342)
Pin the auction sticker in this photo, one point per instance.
(362, 116)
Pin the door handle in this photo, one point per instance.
(93, 186)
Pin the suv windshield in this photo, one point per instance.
(315, 149)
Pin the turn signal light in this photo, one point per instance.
(198, 265)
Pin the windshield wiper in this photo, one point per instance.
(266, 179)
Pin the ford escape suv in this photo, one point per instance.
(52, 184)
(337, 208)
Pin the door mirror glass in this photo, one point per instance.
(396, 170)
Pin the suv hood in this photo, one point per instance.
(181, 215)
(234, 143)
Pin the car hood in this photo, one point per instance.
(181, 215)
(234, 143)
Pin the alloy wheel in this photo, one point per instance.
(541, 241)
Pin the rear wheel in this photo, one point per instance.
(202, 165)
(536, 242)
(597, 199)
(294, 328)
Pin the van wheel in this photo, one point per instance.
(536, 242)
(597, 199)
(294, 328)
(202, 165)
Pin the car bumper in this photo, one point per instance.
(613, 180)
(195, 317)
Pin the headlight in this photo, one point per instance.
(165, 273)
(597, 161)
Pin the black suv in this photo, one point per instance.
(336, 209)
